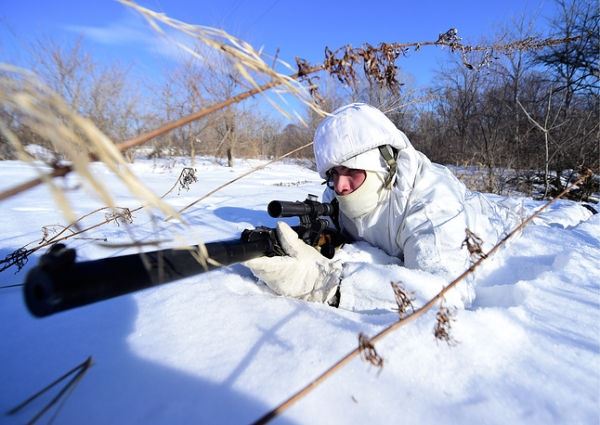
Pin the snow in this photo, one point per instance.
(222, 348)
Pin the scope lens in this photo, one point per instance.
(274, 209)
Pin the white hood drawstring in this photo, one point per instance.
(389, 155)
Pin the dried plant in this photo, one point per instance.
(253, 170)
(368, 352)
(474, 245)
(49, 231)
(443, 325)
(186, 178)
(379, 63)
(244, 58)
(20, 256)
(119, 216)
(403, 299)
(77, 374)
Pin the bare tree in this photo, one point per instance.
(103, 94)
(456, 106)
(574, 65)
(574, 78)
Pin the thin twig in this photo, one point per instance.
(78, 372)
(11, 286)
(410, 318)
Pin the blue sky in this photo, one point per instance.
(296, 28)
(113, 31)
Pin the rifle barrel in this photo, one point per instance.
(59, 283)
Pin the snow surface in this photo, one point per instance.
(221, 348)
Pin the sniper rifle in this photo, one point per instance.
(60, 283)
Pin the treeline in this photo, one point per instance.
(529, 110)
(536, 112)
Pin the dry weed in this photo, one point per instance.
(119, 216)
(474, 246)
(186, 178)
(242, 56)
(368, 352)
(403, 299)
(443, 325)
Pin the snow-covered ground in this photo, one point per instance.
(220, 348)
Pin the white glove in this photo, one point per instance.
(303, 273)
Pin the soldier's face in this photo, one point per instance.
(346, 180)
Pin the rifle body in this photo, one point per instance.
(60, 283)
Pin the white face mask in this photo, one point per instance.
(364, 199)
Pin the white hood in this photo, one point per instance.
(352, 130)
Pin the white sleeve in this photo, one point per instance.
(438, 249)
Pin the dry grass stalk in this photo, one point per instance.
(77, 138)
(417, 313)
(244, 58)
(78, 372)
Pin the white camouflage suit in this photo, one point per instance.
(420, 218)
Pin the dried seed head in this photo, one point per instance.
(186, 178)
(309, 82)
(379, 64)
(444, 318)
(18, 257)
(119, 215)
(450, 38)
(403, 298)
(473, 244)
(368, 352)
(47, 233)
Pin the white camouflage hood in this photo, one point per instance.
(353, 130)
